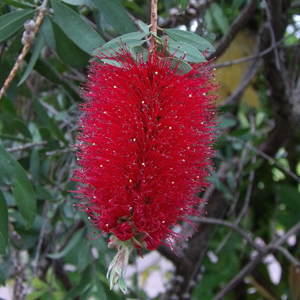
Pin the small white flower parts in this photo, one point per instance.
(28, 34)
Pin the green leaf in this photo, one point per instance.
(116, 15)
(130, 39)
(47, 70)
(140, 51)
(67, 51)
(122, 284)
(18, 3)
(182, 67)
(14, 175)
(47, 121)
(144, 27)
(184, 4)
(82, 34)
(158, 39)
(73, 242)
(74, 2)
(12, 22)
(190, 39)
(34, 165)
(126, 38)
(191, 53)
(37, 48)
(111, 62)
(3, 225)
(3, 273)
(22, 128)
(219, 17)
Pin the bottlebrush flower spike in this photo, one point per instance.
(145, 144)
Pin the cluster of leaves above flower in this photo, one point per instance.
(182, 46)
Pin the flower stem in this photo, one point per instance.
(153, 22)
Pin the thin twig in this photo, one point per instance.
(153, 22)
(270, 159)
(24, 52)
(288, 255)
(25, 146)
(250, 267)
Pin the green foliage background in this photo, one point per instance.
(41, 233)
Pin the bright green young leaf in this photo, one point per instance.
(82, 34)
(144, 27)
(116, 15)
(12, 22)
(184, 4)
(37, 48)
(191, 53)
(73, 242)
(122, 284)
(18, 4)
(14, 175)
(3, 225)
(219, 17)
(190, 39)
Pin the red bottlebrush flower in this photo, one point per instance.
(145, 145)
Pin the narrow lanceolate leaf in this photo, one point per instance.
(77, 30)
(116, 15)
(3, 225)
(130, 40)
(219, 17)
(14, 176)
(18, 3)
(12, 22)
(190, 39)
(190, 53)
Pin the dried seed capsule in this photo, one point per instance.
(28, 37)
(29, 25)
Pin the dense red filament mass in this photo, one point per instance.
(145, 145)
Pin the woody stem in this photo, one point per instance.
(153, 22)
